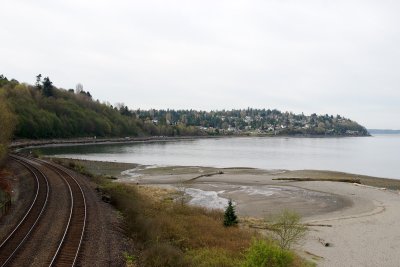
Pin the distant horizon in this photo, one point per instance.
(394, 130)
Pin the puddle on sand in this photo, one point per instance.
(208, 199)
(212, 199)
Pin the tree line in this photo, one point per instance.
(45, 111)
(249, 120)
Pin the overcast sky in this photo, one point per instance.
(335, 57)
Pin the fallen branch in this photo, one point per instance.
(344, 180)
(204, 175)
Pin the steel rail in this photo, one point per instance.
(73, 184)
(14, 233)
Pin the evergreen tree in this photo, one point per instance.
(230, 217)
(47, 87)
(38, 81)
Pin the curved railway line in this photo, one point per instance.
(12, 243)
(68, 250)
(70, 239)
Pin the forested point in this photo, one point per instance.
(45, 111)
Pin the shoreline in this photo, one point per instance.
(32, 143)
(29, 143)
(281, 175)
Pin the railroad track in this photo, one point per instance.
(70, 242)
(13, 242)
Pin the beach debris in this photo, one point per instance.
(325, 244)
(320, 225)
(314, 256)
(205, 175)
(355, 181)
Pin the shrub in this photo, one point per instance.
(130, 260)
(36, 153)
(163, 255)
(177, 227)
(288, 229)
(266, 254)
(71, 164)
(211, 257)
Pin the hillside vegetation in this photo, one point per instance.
(7, 123)
(44, 111)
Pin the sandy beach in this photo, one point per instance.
(350, 224)
(365, 234)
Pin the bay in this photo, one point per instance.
(375, 156)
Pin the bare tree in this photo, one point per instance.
(119, 105)
(181, 191)
(79, 88)
(288, 229)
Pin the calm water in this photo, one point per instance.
(375, 156)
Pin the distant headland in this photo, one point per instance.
(43, 111)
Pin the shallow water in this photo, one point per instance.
(376, 156)
(262, 200)
(207, 199)
(215, 198)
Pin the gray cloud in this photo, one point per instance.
(312, 56)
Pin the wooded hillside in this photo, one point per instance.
(44, 111)
(7, 122)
